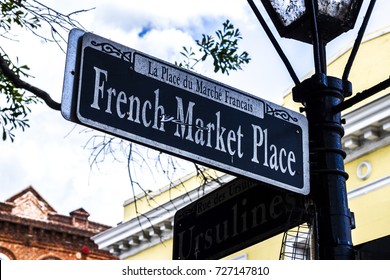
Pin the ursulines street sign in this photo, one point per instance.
(239, 214)
(127, 93)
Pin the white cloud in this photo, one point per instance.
(164, 49)
(167, 14)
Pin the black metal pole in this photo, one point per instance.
(328, 178)
(320, 94)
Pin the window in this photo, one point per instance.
(3, 257)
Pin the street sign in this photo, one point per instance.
(233, 217)
(126, 93)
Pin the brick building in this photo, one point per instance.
(31, 229)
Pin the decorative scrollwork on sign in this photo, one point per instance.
(186, 212)
(110, 49)
(282, 114)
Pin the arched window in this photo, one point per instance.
(49, 257)
(6, 254)
(3, 257)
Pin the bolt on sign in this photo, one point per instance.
(126, 93)
(237, 215)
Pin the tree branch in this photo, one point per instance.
(19, 83)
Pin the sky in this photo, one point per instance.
(53, 155)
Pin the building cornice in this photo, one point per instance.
(367, 128)
(367, 188)
(50, 225)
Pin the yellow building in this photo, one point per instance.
(146, 231)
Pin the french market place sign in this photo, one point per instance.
(129, 94)
(233, 217)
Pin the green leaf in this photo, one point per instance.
(223, 50)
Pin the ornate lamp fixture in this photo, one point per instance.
(292, 17)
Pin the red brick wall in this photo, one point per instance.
(23, 242)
